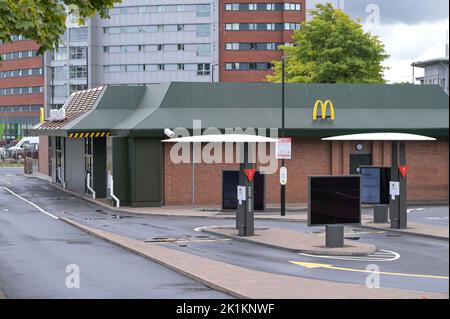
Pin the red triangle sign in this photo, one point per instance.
(403, 170)
(250, 172)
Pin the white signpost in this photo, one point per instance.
(283, 148)
(241, 196)
(394, 189)
(283, 175)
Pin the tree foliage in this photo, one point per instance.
(44, 20)
(332, 48)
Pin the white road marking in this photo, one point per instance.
(204, 227)
(414, 210)
(380, 255)
(32, 204)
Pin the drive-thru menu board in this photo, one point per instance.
(374, 184)
(334, 200)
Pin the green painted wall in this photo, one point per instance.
(120, 169)
(145, 171)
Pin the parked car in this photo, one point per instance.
(19, 148)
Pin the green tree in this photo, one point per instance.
(332, 48)
(44, 20)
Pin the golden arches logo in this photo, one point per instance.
(323, 109)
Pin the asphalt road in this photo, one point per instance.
(414, 260)
(35, 250)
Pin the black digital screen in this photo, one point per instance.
(334, 200)
(375, 184)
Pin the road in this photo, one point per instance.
(35, 250)
(415, 261)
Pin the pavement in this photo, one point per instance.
(294, 241)
(418, 229)
(244, 283)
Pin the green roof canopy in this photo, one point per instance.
(359, 108)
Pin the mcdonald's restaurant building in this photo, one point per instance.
(112, 135)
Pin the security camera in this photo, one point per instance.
(169, 132)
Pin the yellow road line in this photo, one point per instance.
(327, 266)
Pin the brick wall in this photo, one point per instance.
(427, 178)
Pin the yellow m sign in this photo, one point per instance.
(323, 109)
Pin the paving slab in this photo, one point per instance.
(294, 241)
(418, 229)
(246, 283)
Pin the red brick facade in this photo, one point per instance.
(427, 178)
(227, 36)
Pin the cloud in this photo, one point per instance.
(410, 43)
(394, 11)
(411, 30)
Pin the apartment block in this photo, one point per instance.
(251, 33)
(21, 88)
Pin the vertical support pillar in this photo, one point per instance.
(403, 215)
(245, 213)
(394, 212)
(334, 236)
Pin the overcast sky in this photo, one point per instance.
(411, 30)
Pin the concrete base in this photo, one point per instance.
(295, 241)
(334, 236)
(380, 213)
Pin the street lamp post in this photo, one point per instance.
(283, 187)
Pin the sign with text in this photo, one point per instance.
(241, 196)
(394, 189)
(283, 148)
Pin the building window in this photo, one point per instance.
(203, 69)
(21, 90)
(180, 66)
(203, 49)
(160, 67)
(78, 72)
(78, 34)
(180, 47)
(77, 53)
(203, 30)
(77, 87)
(18, 55)
(203, 10)
(159, 47)
(252, 66)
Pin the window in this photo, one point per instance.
(232, 26)
(160, 67)
(78, 72)
(180, 47)
(180, 8)
(170, 67)
(180, 27)
(77, 87)
(60, 91)
(78, 34)
(59, 73)
(60, 54)
(135, 67)
(77, 53)
(203, 30)
(203, 10)
(160, 27)
(203, 49)
(180, 66)
(203, 69)
(159, 47)
(292, 6)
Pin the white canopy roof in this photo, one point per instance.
(379, 137)
(223, 138)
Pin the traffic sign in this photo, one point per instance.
(283, 148)
(403, 170)
(283, 175)
(250, 172)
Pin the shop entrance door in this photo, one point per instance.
(357, 160)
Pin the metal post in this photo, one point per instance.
(245, 214)
(283, 187)
(393, 203)
(403, 216)
(334, 236)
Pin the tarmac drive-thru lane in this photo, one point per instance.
(35, 250)
(417, 263)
